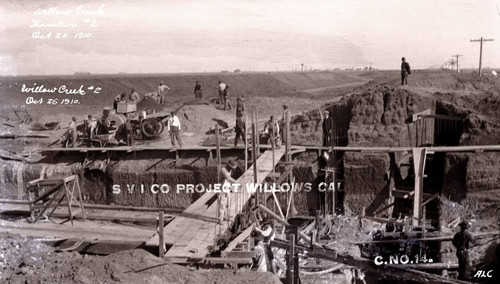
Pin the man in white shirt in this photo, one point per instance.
(162, 91)
(73, 132)
(223, 198)
(91, 126)
(174, 126)
(222, 88)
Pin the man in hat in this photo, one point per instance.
(240, 107)
(227, 177)
(327, 130)
(162, 91)
(405, 71)
(461, 241)
(264, 235)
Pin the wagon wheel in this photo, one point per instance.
(151, 127)
(162, 126)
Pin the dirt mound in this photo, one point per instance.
(148, 104)
(438, 79)
(29, 261)
(374, 116)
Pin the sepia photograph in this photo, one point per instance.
(250, 141)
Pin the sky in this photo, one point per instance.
(272, 35)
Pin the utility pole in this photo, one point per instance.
(481, 40)
(456, 56)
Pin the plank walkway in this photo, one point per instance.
(192, 238)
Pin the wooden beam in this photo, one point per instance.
(419, 166)
(241, 237)
(217, 145)
(407, 194)
(430, 199)
(161, 226)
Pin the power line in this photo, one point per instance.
(456, 56)
(481, 40)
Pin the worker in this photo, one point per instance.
(264, 235)
(134, 96)
(198, 92)
(227, 179)
(174, 126)
(72, 132)
(222, 88)
(118, 99)
(129, 132)
(328, 130)
(266, 229)
(272, 129)
(162, 91)
(260, 261)
(227, 101)
(461, 241)
(240, 130)
(91, 128)
(240, 107)
(405, 71)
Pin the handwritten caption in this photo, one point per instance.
(57, 23)
(63, 89)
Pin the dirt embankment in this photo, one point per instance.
(377, 115)
(29, 261)
(134, 182)
(181, 85)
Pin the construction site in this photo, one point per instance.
(379, 203)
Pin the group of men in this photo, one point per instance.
(132, 97)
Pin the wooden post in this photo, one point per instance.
(254, 158)
(419, 166)
(335, 189)
(313, 238)
(246, 144)
(257, 130)
(290, 273)
(219, 163)
(481, 40)
(161, 223)
(288, 143)
(272, 146)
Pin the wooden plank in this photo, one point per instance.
(429, 239)
(228, 260)
(419, 157)
(408, 194)
(241, 237)
(192, 237)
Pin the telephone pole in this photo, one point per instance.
(456, 56)
(480, 50)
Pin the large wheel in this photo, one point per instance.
(151, 128)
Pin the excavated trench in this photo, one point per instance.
(374, 118)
